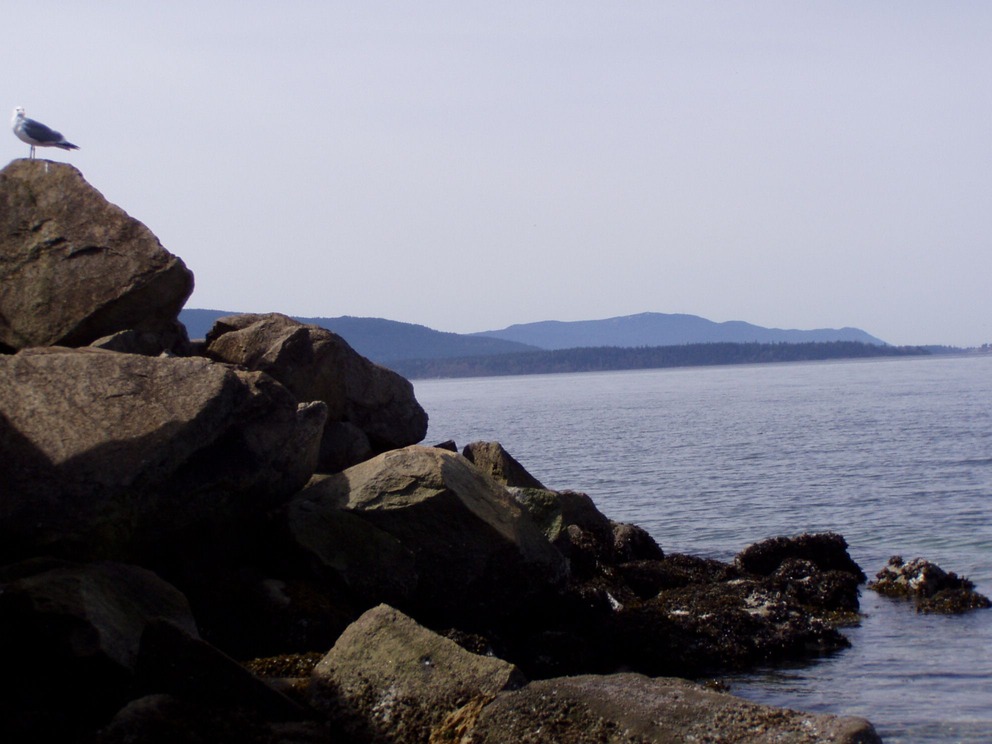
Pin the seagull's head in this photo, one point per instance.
(19, 112)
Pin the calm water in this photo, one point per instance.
(896, 455)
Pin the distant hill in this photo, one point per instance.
(382, 341)
(661, 329)
(410, 349)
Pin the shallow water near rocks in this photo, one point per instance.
(896, 455)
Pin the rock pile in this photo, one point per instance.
(243, 541)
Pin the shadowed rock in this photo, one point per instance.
(475, 550)
(75, 268)
(115, 455)
(70, 634)
(370, 408)
(632, 709)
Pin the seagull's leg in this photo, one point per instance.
(32, 153)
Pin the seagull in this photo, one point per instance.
(37, 134)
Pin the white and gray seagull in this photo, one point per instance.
(37, 134)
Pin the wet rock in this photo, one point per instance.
(75, 268)
(633, 709)
(803, 581)
(826, 550)
(314, 364)
(933, 589)
(634, 543)
(703, 628)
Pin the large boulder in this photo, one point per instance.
(75, 268)
(70, 638)
(112, 455)
(633, 709)
(392, 680)
(476, 553)
(371, 409)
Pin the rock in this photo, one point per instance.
(933, 589)
(632, 709)
(75, 268)
(172, 342)
(475, 552)
(828, 551)
(709, 627)
(491, 458)
(315, 364)
(389, 679)
(172, 660)
(634, 543)
(376, 566)
(584, 535)
(70, 635)
(165, 719)
(117, 456)
(573, 524)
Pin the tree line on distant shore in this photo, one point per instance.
(612, 358)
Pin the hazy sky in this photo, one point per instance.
(471, 165)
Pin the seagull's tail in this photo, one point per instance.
(66, 145)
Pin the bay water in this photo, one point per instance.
(895, 454)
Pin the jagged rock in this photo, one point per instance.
(573, 524)
(476, 553)
(491, 458)
(827, 550)
(118, 455)
(933, 589)
(388, 679)
(75, 268)
(70, 635)
(632, 709)
(316, 364)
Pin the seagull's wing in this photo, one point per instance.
(39, 132)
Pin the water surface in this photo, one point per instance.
(896, 455)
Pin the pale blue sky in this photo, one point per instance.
(471, 165)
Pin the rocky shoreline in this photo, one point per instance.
(243, 539)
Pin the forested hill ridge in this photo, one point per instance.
(663, 329)
(614, 358)
(388, 341)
